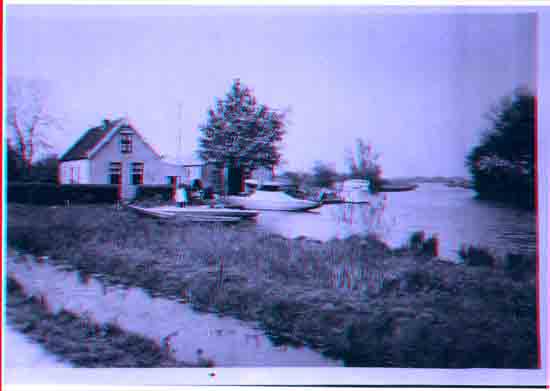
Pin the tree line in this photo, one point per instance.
(361, 163)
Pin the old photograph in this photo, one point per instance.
(268, 187)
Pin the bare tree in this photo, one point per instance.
(27, 118)
(363, 164)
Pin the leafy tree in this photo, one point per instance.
(241, 132)
(503, 165)
(27, 118)
(362, 164)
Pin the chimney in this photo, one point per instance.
(106, 124)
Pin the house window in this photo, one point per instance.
(137, 173)
(115, 169)
(125, 143)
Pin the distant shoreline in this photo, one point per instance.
(415, 181)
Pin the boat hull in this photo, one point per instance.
(206, 211)
(356, 191)
(396, 188)
(197, 214)
(248, 202)
(356, 197)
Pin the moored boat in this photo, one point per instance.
(196, 213)
(356, 191)
(397, 187)
(328, 197)
(270, 196)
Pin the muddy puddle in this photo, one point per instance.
(192, 336)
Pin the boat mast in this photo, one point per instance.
(180, 132)
(179, 153)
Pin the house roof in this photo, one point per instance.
(95, 138)
(89, 140)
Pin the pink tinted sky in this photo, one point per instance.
(414, 84)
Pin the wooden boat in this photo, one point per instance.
(205, 210)
(196, 213)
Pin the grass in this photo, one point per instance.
(80, 341)
(353, 299)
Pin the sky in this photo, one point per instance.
(416, 85)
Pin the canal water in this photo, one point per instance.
(227, 341)
(22, 352)
(451, 213)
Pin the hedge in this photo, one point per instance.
(146, 192)
(55, 194)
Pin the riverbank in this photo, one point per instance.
(79, 341)
(353, 299)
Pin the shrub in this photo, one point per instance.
(430, 247)
(518, 264)
(422, 246)
(54, 194)
(208, 193)
(416, 240)
(476, 256)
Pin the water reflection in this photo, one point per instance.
(225, 341)
(453, 214)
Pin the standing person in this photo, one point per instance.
(182, 198)
(186, 197)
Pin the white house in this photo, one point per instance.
(116, 153)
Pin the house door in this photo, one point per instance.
(128, 177)
(134, 179)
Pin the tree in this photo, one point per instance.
(323, 175)
(241, 132)
(363, 163)
(295, 179)
(46, 169)
(15, 164)
(503, 165)
(27, 118)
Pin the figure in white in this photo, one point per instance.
(182, 198)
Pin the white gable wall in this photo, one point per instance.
(153, 172)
